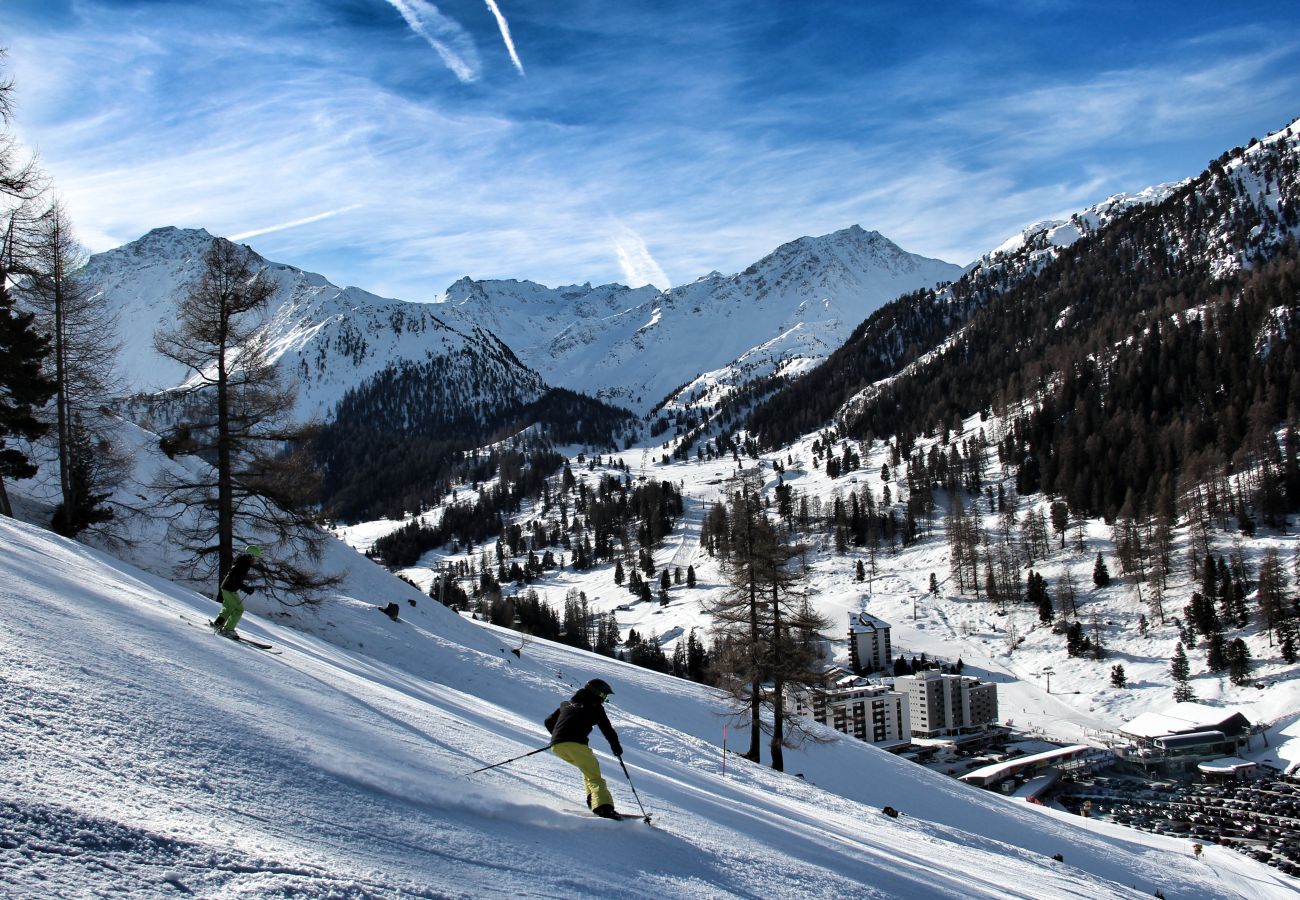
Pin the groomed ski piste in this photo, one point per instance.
(143, 756)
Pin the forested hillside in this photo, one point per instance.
(398, 441)
(1154, 353)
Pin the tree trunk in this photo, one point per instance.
(225, 489)
(778, 725)
(756, 683)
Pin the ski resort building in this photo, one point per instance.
(869, 645)
(941, 704)
(1184, 735)
(869, 711)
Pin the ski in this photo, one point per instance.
(621, 817)
(240, 639)
(236, 637)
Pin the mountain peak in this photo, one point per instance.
(167, 241)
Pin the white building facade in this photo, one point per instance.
(870, 712)
(941, 704)
(869, 644)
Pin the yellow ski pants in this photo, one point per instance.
(580, 755)
(232, 610)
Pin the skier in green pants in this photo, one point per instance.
(236, 580)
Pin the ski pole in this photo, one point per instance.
(645, 815)
(512, 759)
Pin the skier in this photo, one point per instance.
(236, 580)
(570, 726)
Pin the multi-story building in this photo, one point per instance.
(870, 712)
(869, 644)
(947, 704)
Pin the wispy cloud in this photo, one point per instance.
(639, 267)
(710, 132)
(284, 226)
(505, 34)
(452, 42)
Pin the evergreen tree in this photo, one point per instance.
(24, 386)
(1181, 671)
(1216, 653)
(1238, 662)
(1100, 574)
(1117, 677)
(1037, 595)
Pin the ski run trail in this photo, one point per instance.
(143, 756)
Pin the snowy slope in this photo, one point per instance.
(325, 338)
(146, 756)
(633, 347)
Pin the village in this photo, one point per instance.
(1176, 772)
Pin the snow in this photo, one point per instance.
(146, 756)
(1179, 718)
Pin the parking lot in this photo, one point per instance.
(1258, 818)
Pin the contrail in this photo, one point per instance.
(245, 235)
(505, 35)
(426, 21)
(639, 267)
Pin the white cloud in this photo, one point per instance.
(505, 35)
(639, 267)
(444, 35)
(284, 226)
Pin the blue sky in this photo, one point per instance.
(399, 144)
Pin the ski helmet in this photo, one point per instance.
(599, 686)
(255, 552)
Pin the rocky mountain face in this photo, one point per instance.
(325, 338)
(634, 347)
(630, 347)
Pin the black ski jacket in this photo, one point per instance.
(575, 718)
(236, 578)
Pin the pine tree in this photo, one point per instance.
(1270, 592)
(234, 412)
(1181, 671)
(764, 632)
(24, 386)
(1238, 662)
(1117, 677)
(1100, 574)
(82, 363)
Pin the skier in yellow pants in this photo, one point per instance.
(571, 726)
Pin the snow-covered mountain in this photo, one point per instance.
(325, 338)
(1038, 244)
(634, 347)
(626, 346)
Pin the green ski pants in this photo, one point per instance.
(232, 609)
(580, 755)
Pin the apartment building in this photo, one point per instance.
(940, 704)
(870, 712)
(869, 645)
